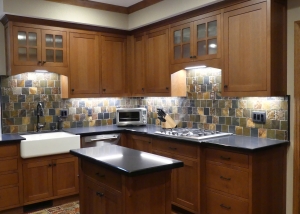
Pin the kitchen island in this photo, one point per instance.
(115, 179)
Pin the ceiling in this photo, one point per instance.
(123, 3)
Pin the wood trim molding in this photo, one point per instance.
(296, 189)
(109, 7)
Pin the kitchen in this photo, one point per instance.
(110, 104)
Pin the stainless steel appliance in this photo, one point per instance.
(98, 140)
(131, 116)
(195, 134)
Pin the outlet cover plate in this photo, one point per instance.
(64, 113)
(259, 117)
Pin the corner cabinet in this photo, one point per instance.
(196, 40)
(34, 47)
(254, 45)
(158, 77)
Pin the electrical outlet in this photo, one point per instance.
(64, 113)
(259, 117)
(90, 112)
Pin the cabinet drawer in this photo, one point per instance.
(226, 157)
(227, 180)
(9, 179)
(8, 151)
(102, 175)
(8, 165)
(220, 204)
(187, 150)
(9, 197)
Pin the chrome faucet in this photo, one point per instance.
(39, 112)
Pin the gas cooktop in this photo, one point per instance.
(185, 133)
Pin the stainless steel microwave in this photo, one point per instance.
(131, 116)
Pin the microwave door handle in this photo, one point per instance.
(104, 138)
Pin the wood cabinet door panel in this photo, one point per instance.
(8, 165)
(220, 204)
(228, 180)
(141, 143)
(84, 64)
(8, 151)
(9, 197)
(158, 78)
(245, 49)
(37, 177)
(138, 80)
(65, 176)
(9, 179)
(113, 63)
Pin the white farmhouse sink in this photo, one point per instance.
(43, 144)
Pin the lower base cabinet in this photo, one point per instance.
(50, 177)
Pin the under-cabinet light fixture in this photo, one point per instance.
(195, 67)
(41, 71)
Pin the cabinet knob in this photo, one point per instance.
(225, 86)
(143, 89)
(54, 164)
(49, 165)
(72, 89)
(104, 89)
(167, 88)
(191, 57)
(100, 194)
(39, 62)
(44, 62)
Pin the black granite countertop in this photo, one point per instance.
(6, 138)
(126, 161)
(232, 141)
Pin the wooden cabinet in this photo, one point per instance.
(113, 65)
(196, 39)
(10, 176)
(243, 182)
(105, 191)
(158, 77)
(49, 177)
(138, 75)
(35, 47)
(138, 142)
(254, 45)
(185, 180)
(100, 199)
(84, 64)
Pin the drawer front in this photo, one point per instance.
(102, 175)
(9, 197)
(220, 204)
(8, 150)
(9, 179)
(187, 150)
(8, 165)
(228, 180)
(226, 157)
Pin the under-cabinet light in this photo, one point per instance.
(40, 71)
(195, 67)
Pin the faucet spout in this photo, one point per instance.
(39, 112)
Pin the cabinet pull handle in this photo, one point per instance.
(39, 62)
(100, 175)
(224, 178)
(173, 148)
(225, 158)
(101, 194)
(43, 62)
(225, 207)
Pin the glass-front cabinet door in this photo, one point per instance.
(27, 46)
(207, 38)
(54, 48)
(181, 43)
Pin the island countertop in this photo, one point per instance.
(126, 161)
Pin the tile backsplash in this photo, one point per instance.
(203, 107)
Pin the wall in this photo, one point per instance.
(202, 108)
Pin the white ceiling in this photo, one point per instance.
(123, 3)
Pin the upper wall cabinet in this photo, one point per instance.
(196, 39)
(158, 78)
(254, 46)
(35, 47)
